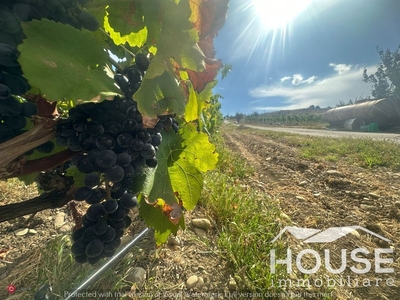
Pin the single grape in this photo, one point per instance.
(77, 234)
(142, 61)
(136, 144)
(114, 173)
(79, 247)
(96, 197)
(110, 206)
(128, 201)
(95, 212)
(91, 180)
(82, 193)
(113, 128)
(89, 235)
(123, 159)
(84, 165)
(156, 139)
(128, 221)
(94, 248)
(94, 128)
(152, 162)
(129, 172)
(112, 246)
(73, 143)
(105, 142)
(87, 141)
(124, 140)
(148, 151)
(130, 125)
(81, 259)
(119, 214)
(100, 227)
(117, 225)
(106, 158)
(108, 236)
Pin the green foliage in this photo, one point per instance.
(61, 68)
(386, 80)
(73, 66)
(212, 115)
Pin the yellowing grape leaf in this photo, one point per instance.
(126, 17)
(198, 101)
(64, 62)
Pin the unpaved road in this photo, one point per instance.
(321, 195)
(333, 133)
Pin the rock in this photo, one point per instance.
(21, 231)
(201, 223)
(200, 232)
(300, 198)
(355, 233)
(32, 231)
(59, 221)
(192, 281)
(302, 183)
(201, 268)
(334, 173)
(200, 283)
(373, 195)
(173, 240)
(137, 274)
(66, 228)
(232, 285)
(317, 195)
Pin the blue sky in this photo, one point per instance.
(316, 59)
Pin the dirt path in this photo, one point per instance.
(324, 195)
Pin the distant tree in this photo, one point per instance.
(311, 107)
(317, 107)
(386, 80)
(239, 117)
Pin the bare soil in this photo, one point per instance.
(309, 197)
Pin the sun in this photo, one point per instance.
(277, 14)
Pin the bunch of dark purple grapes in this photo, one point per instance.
(103, 224)
(112, 149)
(14, 112)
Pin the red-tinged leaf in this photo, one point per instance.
(201, 79)
(208, 16)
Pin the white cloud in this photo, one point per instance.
(285, 78)
(297, 79)
(326, 92)
(341, 68)
(310, 79)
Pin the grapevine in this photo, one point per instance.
(115, 106)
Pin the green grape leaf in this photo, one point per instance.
(134, 39)
(78, 177)
(155, 217)
(198, 151)
(178, 39)
(160, 95)
(151, 10)
(125, 17)
(64, 62)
